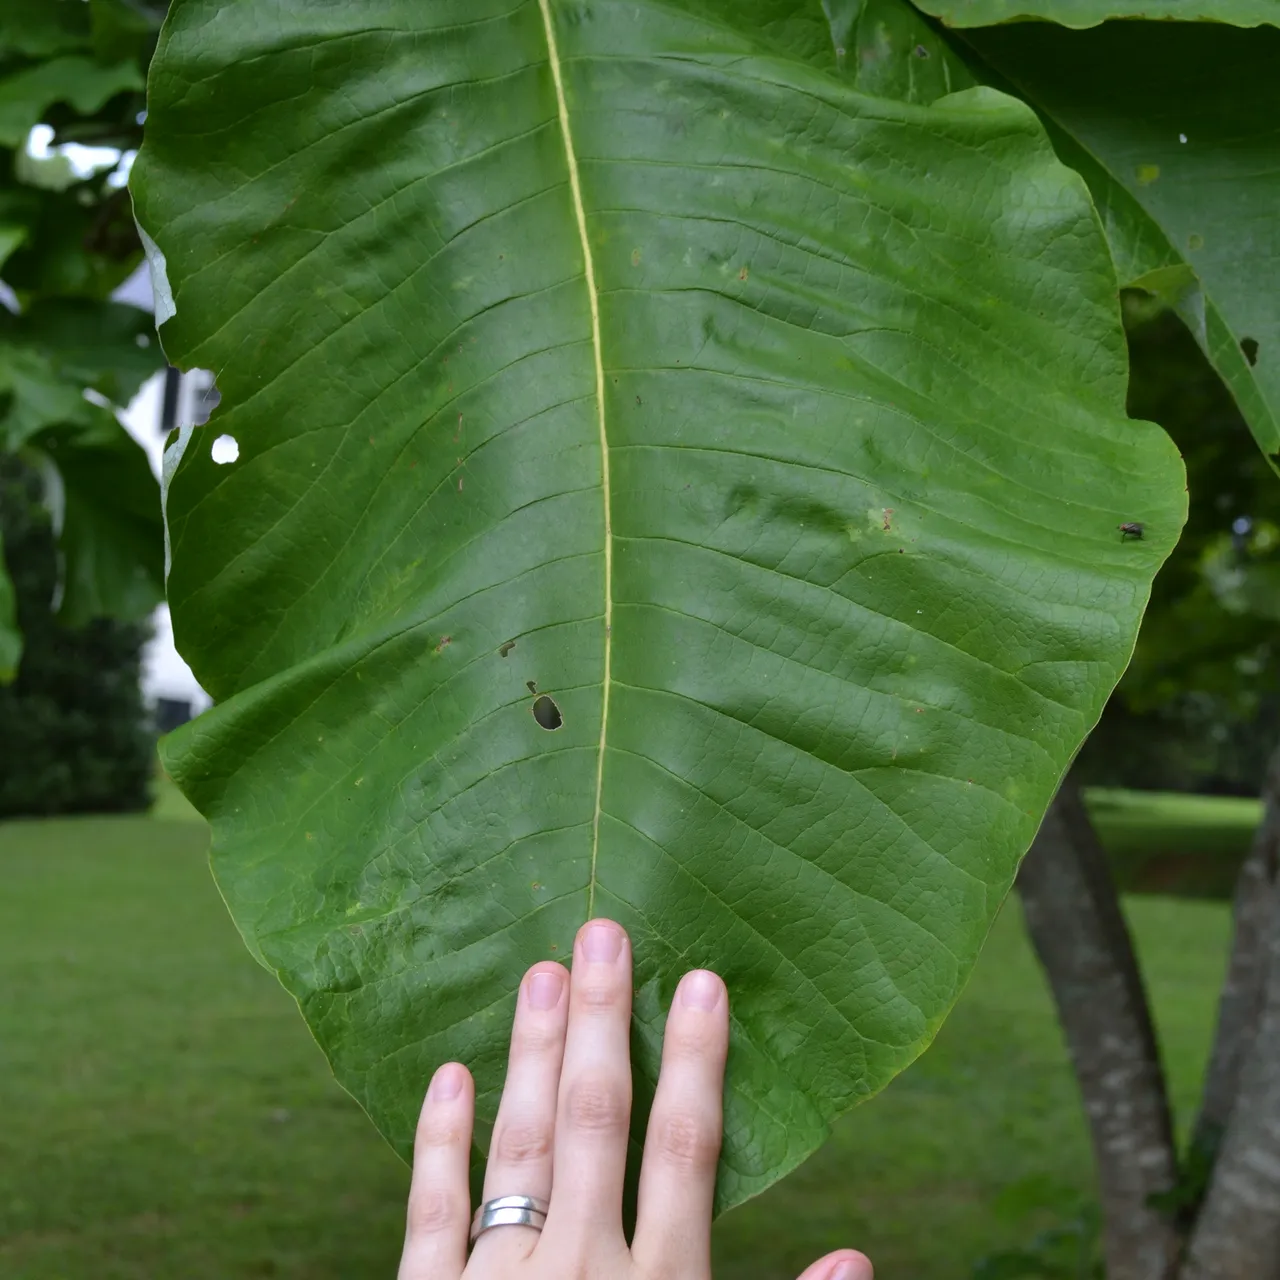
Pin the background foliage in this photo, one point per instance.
(75, 736)
(69, 356)
(1198, 708)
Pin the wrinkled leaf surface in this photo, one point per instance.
(627, 354)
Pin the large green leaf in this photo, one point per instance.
(1173, 127)
(1088, 13)
(774, 431)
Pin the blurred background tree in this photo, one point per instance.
(81, 539)
(74, 734)
(1199, 707)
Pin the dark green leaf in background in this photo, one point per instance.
(773, 431)
(108, 346)
(1173, 126)
(125, 28)
(43, 28)
(1089, 13)
(26, 95)
(69, 357)
(68, 248)
(112, 539)
(58, 348)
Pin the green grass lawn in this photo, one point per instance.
(167, 1114)
(1166, 842)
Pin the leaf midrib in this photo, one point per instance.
(593, 299)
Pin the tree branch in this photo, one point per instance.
(1079, 933)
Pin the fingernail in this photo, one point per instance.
(447, 1083)
(701, 990)
(602, 943)
(544, 989)
(849, 1270)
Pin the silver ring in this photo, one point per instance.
(509, 1211)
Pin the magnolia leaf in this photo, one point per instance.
(1088, 13)
(770, 432)
(1172, 127)
(884, 47)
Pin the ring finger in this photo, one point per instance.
(524, 1132)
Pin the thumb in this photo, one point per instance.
(844, 1264)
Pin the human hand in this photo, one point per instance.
(566, 1108)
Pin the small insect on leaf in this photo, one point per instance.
(1131, 529)
(506, 647)
(546, 713)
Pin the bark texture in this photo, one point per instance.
(1079, 933)
(1237, 1233)
(1243, 991)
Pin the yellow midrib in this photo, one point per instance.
(575, 188)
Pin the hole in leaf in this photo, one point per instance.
(546, 713)
(225, 449)
(1250, 348)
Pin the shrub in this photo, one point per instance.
(75, 735)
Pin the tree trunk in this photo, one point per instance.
(1237, 1234)
(1079, 933)
(1243, 991)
